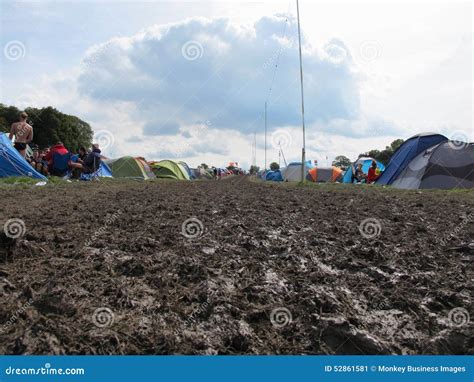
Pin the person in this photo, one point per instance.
(359, 175)
(23, 134)
(372, 173)
(57, 148)
(82, 153)
(215, 173)
(38, 162)
(91, 161)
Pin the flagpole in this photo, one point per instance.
(303, 150)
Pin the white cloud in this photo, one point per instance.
(226, 80)
(203, 101)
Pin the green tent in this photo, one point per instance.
(128, 167)
(169, 169)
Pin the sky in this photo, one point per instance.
(189, 80)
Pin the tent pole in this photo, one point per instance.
(303, 150)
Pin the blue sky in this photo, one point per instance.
(188, 80)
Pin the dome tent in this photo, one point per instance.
(447, 165)
(129, 167)
(292, 172)
(12, 163)
(406, 152)
(366, 163)
(274, 175)
(324, 174)
(169, 169)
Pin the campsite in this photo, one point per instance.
(236, 179)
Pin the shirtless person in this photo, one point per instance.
(23, 134)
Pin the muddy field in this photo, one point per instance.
(234, 267)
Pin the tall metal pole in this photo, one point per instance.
(265, 136)
(303, 150)
(255, 149)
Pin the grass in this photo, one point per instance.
(364, 187)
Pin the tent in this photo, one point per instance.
(366, 163)
(12, 163)
(274, 176)
(324, 174)
(195, 173)
(406, 152)
(292, 172)
(129, 167)
(103, 171)
(187, 169)
(447, 165)
(169, 169)
(205, 173)
(146, 167)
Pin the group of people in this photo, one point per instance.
(371, 176)
(55, 160)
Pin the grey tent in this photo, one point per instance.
(446, 165)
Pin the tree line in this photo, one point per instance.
(50, 126)
(382, 156)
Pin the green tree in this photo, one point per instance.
(384, 155)
(50, 126)
(254, 169)
(274, 166)
(342, 162)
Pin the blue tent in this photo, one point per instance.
(12, 163)
(274, 176)
(406, 152)
(366, 162)
(103, 171)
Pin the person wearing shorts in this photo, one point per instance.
(23, 134)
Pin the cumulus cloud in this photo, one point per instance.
(181, 74)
